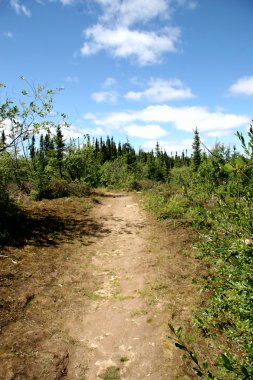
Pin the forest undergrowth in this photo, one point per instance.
(216, 201)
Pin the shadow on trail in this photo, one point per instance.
(51, 230)
(109, 195)
(47, 228)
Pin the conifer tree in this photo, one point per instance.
(59, 148)
(47, 143)
(32, 148)
(3, 139)
(119, 149)
(196, 155)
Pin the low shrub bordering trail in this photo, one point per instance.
(217, 204)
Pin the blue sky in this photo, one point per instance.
(145, 70)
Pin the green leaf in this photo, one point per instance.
(171, 328)
(179, 332)
(240, 162)
(228, 168)
(205, 366)
(226, 362)
(198, 372)
(194, 357)
(24, 92)
(181, 347)
(245, 372)
(211, 376)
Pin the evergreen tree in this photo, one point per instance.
(47, 143)
(32, 148)
(3, 139)
(96, 148)
(59, 148)
(119, 149)
(196, 155)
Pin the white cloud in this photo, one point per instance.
(169, 146)
(152, 131)
(123, 29)
(221, 133)
(161, 90)
(129, 12)
(109, 93)
(5, 125)
(105, 96)
(89, 116)
(181, 118)
(243, 86)
(20, 8)
(109, 83)
(75, 132)
(144, 46)
(8, 34)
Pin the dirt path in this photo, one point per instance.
(124, 325)
(89, 295)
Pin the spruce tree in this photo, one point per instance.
(196, 154)
(3, 139)
(59, 148)
(32, 148)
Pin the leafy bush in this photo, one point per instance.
(115, 174)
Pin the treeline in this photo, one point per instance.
(94, 162)
(82, 159)
(33, 152)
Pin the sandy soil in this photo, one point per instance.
(97, 298)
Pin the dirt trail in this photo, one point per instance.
(124, 323)
(88, 296)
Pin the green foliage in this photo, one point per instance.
(196, 155)
(115, 174)
(217, 198)
(201, 368)
(111, 373)
(181, 177)
(27, 118)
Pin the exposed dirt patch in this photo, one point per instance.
(90, 295)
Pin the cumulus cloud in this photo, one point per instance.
(169, 146)
(143, 46)
(74, 132)
(151, 131)
(104, 96)
(109, 93)
(129, 12)
(243, 86)
(216, 134)
(129, 37)
(110, 83)
(182, 118)
(161, 90)
(20, 8)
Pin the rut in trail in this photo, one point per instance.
(141, 285)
